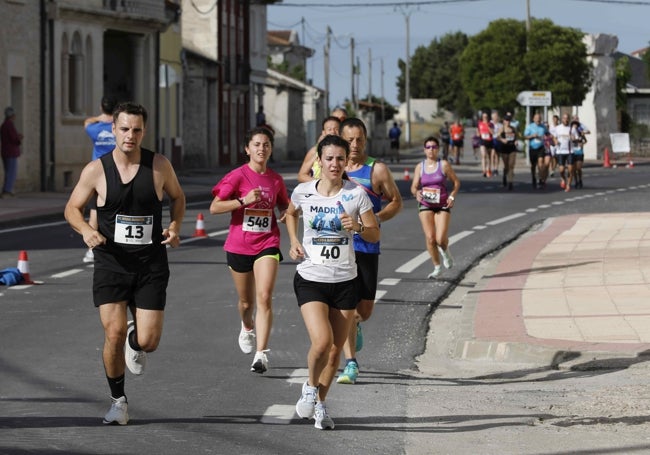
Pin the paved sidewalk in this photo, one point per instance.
(576, 289)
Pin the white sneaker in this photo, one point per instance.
(447, 260)
(307, 402)
(435, 273)
(260, 362)
(246, 340)
(135, 360)
(118, 413)
(89, 256)
(322, 419)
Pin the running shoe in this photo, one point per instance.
(350, 373)
(260, 362)
(135, 360)
(562, 184)
(435, 273)
(118, 414)
(89, 256)
(322, 419)
(359, 345)
(246, 340)
(447, 260)
(307, 402)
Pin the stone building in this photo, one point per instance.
(61, 57)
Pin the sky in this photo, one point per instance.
(380, 26)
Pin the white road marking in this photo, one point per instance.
(389, 282)
(210, 234)
(421, 258)
(505, 219)
(279, 414)
(379, 294)
(66, 273)
(298, 376)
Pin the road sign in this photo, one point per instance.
(534, 98)
(620, 142)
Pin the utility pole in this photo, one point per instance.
(369, 75)
(357, 71)
(352, 97)
(383, 112)
(406, 11)
(326, 54)
(527, 23)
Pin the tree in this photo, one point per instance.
(557, 62)
(491, 65)
(496, 64)
(434, 73)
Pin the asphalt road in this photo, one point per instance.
(198, 396)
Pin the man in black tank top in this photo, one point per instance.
(131, 267)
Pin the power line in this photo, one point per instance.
(375, 4)
(196, 8)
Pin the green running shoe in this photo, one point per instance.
(350, 373)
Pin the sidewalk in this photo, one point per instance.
(573, 294)
(578, 287)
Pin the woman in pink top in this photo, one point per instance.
(251, 193)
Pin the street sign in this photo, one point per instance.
(620, 142)
(534, 98)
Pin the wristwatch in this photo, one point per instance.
(451, 198)
(361, 229)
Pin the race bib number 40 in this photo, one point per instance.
(133, 229)
(257, 220)
(329, 250)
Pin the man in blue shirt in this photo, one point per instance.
(535, 132)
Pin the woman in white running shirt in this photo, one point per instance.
(333, 209)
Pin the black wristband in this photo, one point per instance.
(240, 200)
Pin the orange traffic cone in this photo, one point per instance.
(606, 162)
(23, 267)
(200, 227)
(407, 176)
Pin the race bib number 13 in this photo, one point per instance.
(133, 230)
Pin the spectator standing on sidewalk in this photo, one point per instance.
(10, 140)
(377, 180)
(394, 134)
(429, 187)
(100, 130)
(535, 132)
(333, 210)
(251, 193)
(131, 267)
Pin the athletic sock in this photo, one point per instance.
(133, 341)
(117, 386)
